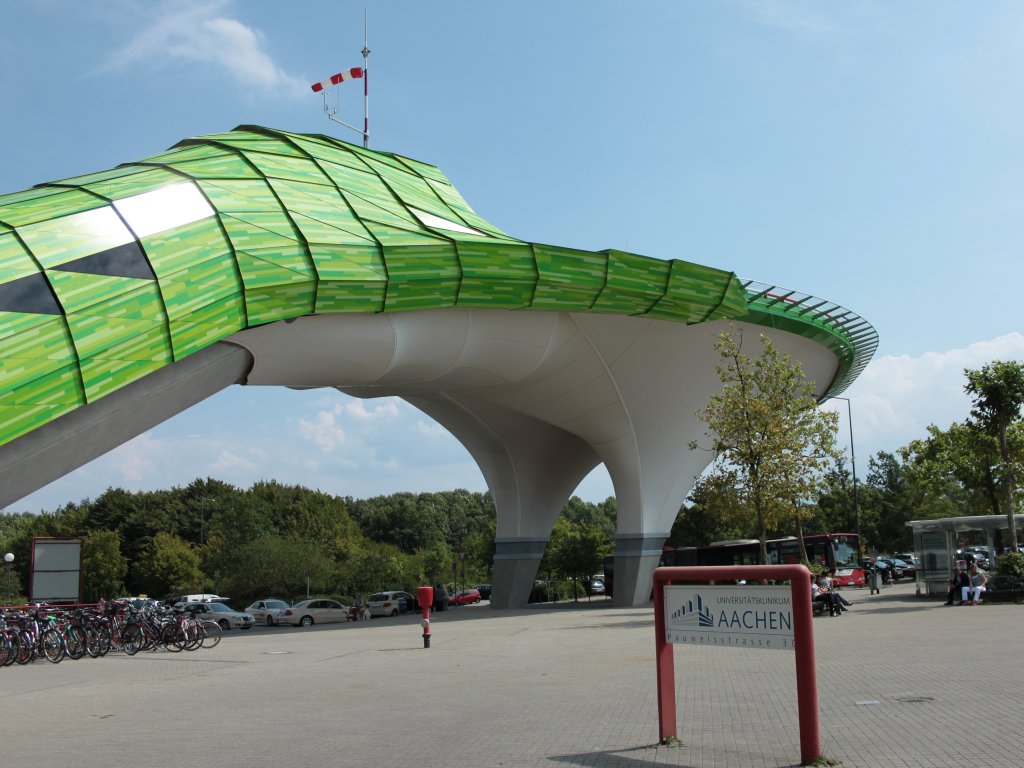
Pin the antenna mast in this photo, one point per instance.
(350, 74)
(366, 87)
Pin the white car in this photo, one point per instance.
(319, 610)
(269, 612)
(220, 613)
(390, 603)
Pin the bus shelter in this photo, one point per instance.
(936, 542)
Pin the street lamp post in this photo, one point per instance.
(853, 467)
(8, 562)
(202, 537)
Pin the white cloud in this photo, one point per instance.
(230, 463)
(897, 397)
(197, 33)
(323, 430)
(791, 15)
(326, 429)
(388, 409)
(431, 429)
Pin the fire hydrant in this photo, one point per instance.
(425, 597)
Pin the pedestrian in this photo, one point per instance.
(958, 581)
(842, 602)
(440, 598)
(972, 595)
(827, 595)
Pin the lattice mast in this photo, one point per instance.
(350, 74)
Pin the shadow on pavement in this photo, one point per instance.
(621, 758)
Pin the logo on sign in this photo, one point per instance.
(693, 614)
(744, 616)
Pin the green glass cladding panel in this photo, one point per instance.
(38, 366)
(320, 213)
(568, 279)
(40, 336)
(352, 278)
(303, 224)
(496, 275)
(105, 375)
(28, 381)
(285, 168)
(15, 261)
(210, 162)
(18, 420)
(241, 195)
(44, 204)
(108, 296)
(421, 277)
(694, 292)
(635, 284)
(72, 237)
(189, 247)
(134, 184)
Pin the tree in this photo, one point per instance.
(713, 513)
(576, 550)
(103, 566)
(168, 565)
(766, 428)
(997, 391)
(834, 510)
(887, 503)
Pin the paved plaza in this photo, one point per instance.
(903, 683)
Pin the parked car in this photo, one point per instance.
(908, 569)
(849, 576)
(886, 567)
(268, 612)
(319, 610)
(907, 557)
(206, 597)
(220, 613)
(138, 603)
(464, 597)
(594, 586)
(485, 591)
(978, 554)
(390, 603)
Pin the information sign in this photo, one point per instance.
(742, 616)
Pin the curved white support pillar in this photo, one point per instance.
(538, 398)
(531, 469)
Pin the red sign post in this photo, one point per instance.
(803, 636)
(425, 597)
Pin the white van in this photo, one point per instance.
(206, 597)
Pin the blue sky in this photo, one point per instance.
(865, 152)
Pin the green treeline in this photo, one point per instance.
(281, 540)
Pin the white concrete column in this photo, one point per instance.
(531, 468)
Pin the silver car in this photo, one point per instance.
(269, 612)
(318, 610)
(220, 613)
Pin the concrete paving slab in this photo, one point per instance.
(903, 682)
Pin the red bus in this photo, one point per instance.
(836, 551)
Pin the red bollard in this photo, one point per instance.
(425, 596)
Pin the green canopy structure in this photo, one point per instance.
(264, 257)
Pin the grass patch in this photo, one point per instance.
(822, 760)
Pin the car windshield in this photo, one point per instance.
(379, 598)
(218, 607)
(276, 604)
